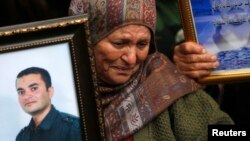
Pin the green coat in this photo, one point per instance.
(186, 120)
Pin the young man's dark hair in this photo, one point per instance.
(36, 70)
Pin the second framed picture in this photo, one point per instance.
(223, 28)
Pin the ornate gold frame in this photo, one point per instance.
(75, 31)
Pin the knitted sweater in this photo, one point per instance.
(186, 120)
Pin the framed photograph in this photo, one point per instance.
(62, 47)
(223, 28)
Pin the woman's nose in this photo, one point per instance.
(129, 56)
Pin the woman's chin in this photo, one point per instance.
(118, 80)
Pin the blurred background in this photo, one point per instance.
(22, 11)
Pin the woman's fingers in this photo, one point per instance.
(193, 61)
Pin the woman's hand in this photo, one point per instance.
(193, 60)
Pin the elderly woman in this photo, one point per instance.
(144, 97)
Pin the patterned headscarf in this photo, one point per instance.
(131, 106)
(105, 16)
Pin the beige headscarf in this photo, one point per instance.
(129, 107)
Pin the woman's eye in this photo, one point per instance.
(142, 45)
(118, 44)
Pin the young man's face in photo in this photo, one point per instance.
(33, 95)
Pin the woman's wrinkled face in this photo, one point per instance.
(119, 55)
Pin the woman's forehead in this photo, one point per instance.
(135, 32)
(132, 29)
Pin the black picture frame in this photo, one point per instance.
(72, 32)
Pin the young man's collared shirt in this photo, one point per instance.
(56, 126)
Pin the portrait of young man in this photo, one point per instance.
(35, 92)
